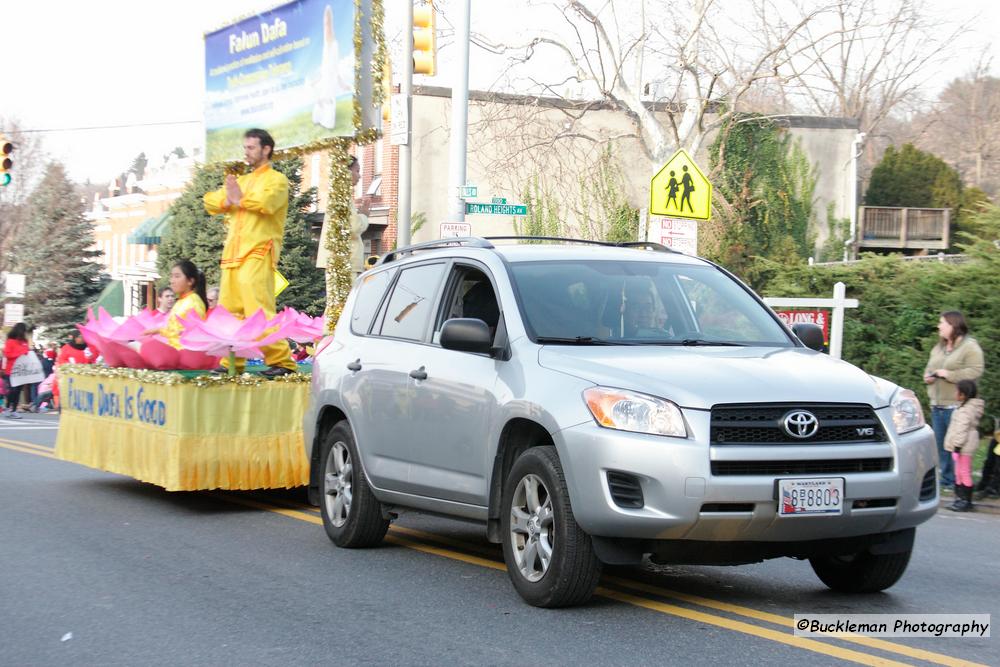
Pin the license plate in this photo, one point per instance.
(803, 497)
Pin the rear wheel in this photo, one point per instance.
(352, 516)
(550, 559)
(863, 572)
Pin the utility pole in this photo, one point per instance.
(405, 156)
(459, 115)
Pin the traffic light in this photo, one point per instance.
(6, 163)
(424, 39)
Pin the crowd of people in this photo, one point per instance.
(39, 396)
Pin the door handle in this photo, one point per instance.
(354, 366)
(419, 374)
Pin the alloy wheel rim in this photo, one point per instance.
(532, 527)
(338, 484)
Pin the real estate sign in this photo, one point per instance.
(289, 70)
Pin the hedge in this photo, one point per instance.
(894, 328)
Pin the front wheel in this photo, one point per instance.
(351, 514)
(863, 572)
(549, 558)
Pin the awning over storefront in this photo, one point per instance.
(151, 231)
(112, 299)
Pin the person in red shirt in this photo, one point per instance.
(73, 352)
(16, 345)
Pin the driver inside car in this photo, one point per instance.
(642, 314)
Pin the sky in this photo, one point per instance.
(138, 65)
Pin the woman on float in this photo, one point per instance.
(188, 283)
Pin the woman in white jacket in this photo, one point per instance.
(962, 440)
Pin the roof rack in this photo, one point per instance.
(643, 245)
(648, 245)
(470, 241)
(484, 242)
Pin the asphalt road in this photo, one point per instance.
(99, 569)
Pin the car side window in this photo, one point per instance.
(473, 296)
(410, 306)
(366, 303)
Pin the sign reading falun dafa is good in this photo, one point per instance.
(680, 190)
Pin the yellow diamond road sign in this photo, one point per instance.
(680, 190)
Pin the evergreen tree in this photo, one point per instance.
(139, 166)
(913, 178)
(306, 290)
(53, 250)
(194, 234)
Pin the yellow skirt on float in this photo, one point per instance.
(185, 433)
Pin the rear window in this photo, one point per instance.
(370, 294)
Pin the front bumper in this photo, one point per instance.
(683, 500)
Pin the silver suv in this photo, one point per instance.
(593, 403)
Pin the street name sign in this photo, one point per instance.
(482, 208)
(680, 190)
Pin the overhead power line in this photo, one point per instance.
(110, 127)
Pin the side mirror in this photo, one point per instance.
(810, 334)
(466, 335)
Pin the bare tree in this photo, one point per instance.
(964, 129)
(868, 58)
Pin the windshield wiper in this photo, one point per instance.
(689, 342)
(578, 340)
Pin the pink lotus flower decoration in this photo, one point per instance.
(223, 333)
(102, 334)
(109, 337)
(300, 327)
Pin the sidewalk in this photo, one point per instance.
(986, 506)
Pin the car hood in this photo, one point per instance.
(700, 377)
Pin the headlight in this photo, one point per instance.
(630, 411)
(907, 414)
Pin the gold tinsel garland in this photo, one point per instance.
(339, 273)
(168, 378)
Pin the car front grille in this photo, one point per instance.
(761, 424)
(819, 467)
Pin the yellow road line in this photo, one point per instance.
(673, 610)
(801, 642)
(870, 642)
(27, 448)
(747, 628)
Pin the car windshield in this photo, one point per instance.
(640, 303)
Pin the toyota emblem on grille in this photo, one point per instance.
(800, 424)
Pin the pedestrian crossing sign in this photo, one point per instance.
(680, 190)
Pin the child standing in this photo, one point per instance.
(962, 440)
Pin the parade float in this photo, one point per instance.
(158, 414)
(186, 429)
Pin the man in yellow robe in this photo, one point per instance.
(255, 206)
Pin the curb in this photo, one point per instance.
(983, 507)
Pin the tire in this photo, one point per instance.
(863, 572)
(351, 514)
(535, 492)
